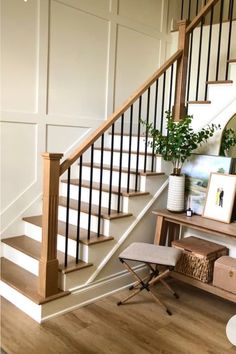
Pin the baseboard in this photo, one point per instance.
(90, 293)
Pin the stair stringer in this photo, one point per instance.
(110, 276)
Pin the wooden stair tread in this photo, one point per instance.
(94, 238)
(105, 188)
(25, 282)
(125, 151)
(231, 61)
(116, 169)
(94, 210)
(219, 82)
(198, 102)
(32, 248)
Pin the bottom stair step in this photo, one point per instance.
(24, 282)
(32, 248)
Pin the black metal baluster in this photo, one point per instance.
(196, 7)
(182, 10)
(130, 146)
(155, 107)
(231, 7)
(189, 9)
(154, 124)
(199, 59)
(209, 51)
(120, 164)
(67, 216)
(219, 39)
(147, 122)
(163, 101)
(90, 193)
(100, 187)
(138, 143)
(111, 168)
(171, 86)
(189, 65)
(79, 209)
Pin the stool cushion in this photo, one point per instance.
(149, 253)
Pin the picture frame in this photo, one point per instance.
(197, 172)
(220, 197)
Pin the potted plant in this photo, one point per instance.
(228, 141)
(176, 146)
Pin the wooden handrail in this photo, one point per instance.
(204, 11)
(107, 124)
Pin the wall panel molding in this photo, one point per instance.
(33, 104)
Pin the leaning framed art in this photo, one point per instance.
(220, 197)
(197, 171)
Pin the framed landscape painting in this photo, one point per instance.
(197, 171)
(220, 197)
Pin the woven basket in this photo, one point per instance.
(195, 265)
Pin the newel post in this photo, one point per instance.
(48, 264)
(181, 72)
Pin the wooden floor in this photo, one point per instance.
(140, 327)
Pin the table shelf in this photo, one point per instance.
(204, 286)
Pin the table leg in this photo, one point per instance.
(161, 231)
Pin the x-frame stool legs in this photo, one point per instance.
(146, 284)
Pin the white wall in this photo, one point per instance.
(65, 66)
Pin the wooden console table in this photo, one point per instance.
(168, 229)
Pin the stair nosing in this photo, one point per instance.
(94, 239)
(105, 188)
(23, 249)
(103, 215)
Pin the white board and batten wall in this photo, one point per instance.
(66, 65)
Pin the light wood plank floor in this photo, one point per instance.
(140, 327)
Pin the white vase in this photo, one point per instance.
(175, 199)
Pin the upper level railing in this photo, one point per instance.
(167, 89)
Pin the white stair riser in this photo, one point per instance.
(125, 157)
(21, 259)
(85, 252)
(21, 301)
(73, 214)
(134, 143)
(85, 195)
(106, 175)
(33, 231)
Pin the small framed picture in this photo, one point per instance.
(220, 197)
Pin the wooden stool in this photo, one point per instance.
(152, 256)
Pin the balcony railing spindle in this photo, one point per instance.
(219, 39)
(231, 7)
(209, 51)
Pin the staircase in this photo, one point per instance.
(94, 202)
(21, 254)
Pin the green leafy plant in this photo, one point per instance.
(228, 141)
(180, 141)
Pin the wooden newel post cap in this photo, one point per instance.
(182, 23)
(52, 156)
